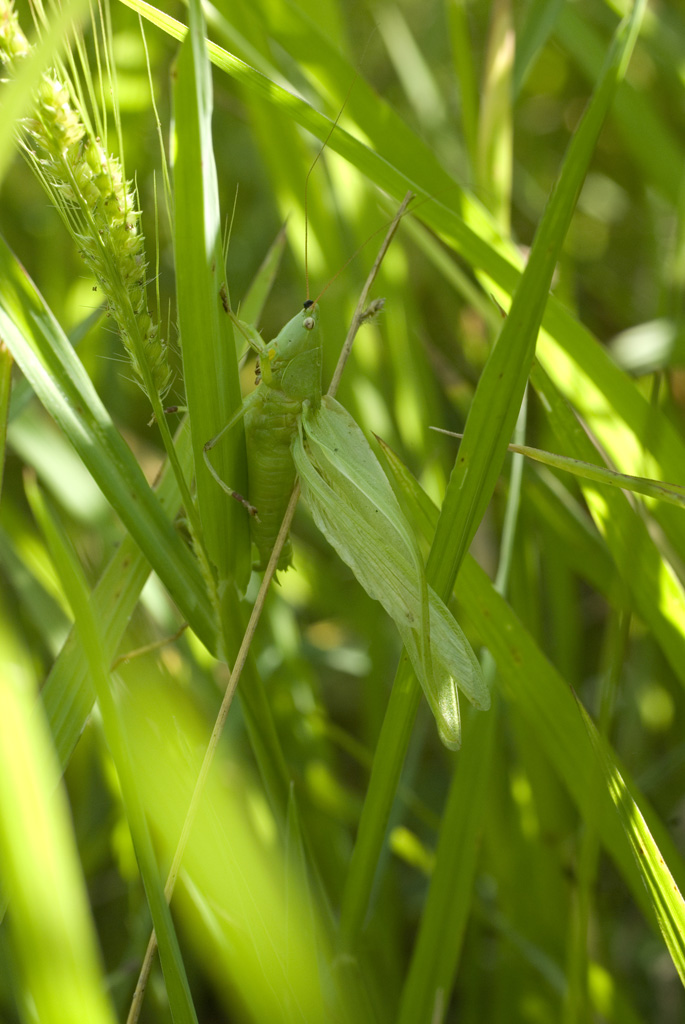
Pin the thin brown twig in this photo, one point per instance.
(359, 312)
(137, 1000)
(147, 649)
(306, 183)
(357, 320)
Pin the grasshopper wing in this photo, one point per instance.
(355, 508)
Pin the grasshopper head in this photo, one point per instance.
(293, 358)
(299, 334)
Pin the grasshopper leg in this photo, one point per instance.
(206, 449)
(224, 486)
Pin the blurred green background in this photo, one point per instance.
(492, 92)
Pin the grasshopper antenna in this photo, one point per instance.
(390, 223)
(306, 182)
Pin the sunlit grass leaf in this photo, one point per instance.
(498, 396)
(448, 904)
(210, 368)
(240, 891)
(655, 590)
(78, 593)
(531, 682)
(67, 694)
(665, 896)
(490, 422)
(674, 494)
(59, 380)
(59, 973)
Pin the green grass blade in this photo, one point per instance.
(254, 300)
(665, 896)
(429, 982)
(636, 436)
(674, 494)
(488, 430)
(462, 51)
(531, 683)
(301, 917)
(210, 368)
(68, 694)
(388, 761)
(495, 135)
(5, 390)
(654, 146)
(581, 546)
(78, 594)
(500, 389)
(540, 18)
(657, 594)
(59, 974)
(59, 380)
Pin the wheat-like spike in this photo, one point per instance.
(98, 205)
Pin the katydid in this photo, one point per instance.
(289, 374)
(293, 431)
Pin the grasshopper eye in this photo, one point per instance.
(308, 323)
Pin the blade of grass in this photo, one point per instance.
(581, 546)
(674, 494)
(575, 1006)
(539, 21)
(495, 128)
(655, 147)
(67, 695)
(49, 362)
(301, 917)
(495, 406)
(429, 981)
(254, 300)
(608, 400)
(488, 430)
(435, 956)
(462, 51)
(663, 891)
(78, 593)
(533, 685)
(5, 391)
(657, 594)
(210, 368)
(60, 976)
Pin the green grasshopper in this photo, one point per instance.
(289, 374)
(293, 431)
